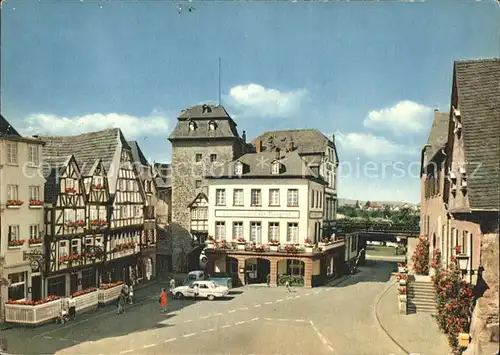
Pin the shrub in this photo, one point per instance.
(420, 256)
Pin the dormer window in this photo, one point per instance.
(275, 167)
(212, 126)
(456, 112)
(238, 168)
(458, 127)
(192, 125)
(206, 109)
(462, 170)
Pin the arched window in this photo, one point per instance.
(212, 126)
(238, 168)
(192, 126)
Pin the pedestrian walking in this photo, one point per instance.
(196, 291)
(287, 285)
(131, 294)
(163, 300)
(72, 307)
(121, 303)
(172, 283)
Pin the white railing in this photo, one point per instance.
(331, 245)
(86, 301)
(110, 294)
(23, 314)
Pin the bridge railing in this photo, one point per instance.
(368, 226)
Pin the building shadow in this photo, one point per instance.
(371, 271)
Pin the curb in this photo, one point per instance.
(380, 323)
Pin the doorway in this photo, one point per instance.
(257, 271)
(57, 286)
(73, 283)
(36, 288)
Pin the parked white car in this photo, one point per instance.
(206, 289)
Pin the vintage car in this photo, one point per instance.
(206, 289)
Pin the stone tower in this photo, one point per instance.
(204, 139)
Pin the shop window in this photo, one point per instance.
(17, 288)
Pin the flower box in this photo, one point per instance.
(35, 203)
(35, 241)
(274, 247)
(86, 299)
(14, 203)
(30, 312)
(109, 292)
(209, 244)
(309, 248)
(241, 246)
(70, 190)
(16, 244)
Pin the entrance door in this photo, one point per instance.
(36, 288)
(57, 286)
(73, 283)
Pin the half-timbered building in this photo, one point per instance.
(112, 212)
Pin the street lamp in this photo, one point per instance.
(463, 262)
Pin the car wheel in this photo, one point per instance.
(211, 297)
(179, 295)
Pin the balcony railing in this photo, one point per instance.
(350, 226)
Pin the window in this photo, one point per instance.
(238, 197)
(34, 231)
(211, 126)
(292, 233)
(320, 199)
(312, 198)
(12, 153)
(75, 246)
(33, 155)
(70, 183)
(274, 231)
(220, 230)
(255, 197)
(353, 243)
(274, 197)
(12, 192)
(293, 198)
(220, 197)
(198, 157)
(17, 286)
(213, 158)
(192, 126)
(463, 243)
(275, 168)
(256, 232)
(34, 192)
(13, 233)
(238, 168)
(124, 212)
(237, 230)
(198, 184)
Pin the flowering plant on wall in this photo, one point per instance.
(33, 303)
(420, 256)
(241, 240)
(455, 301)
(458, 249)
(14, 202)
(16, 243)
(274, 242)
(308, 241)
(36, 202)
(70, 190)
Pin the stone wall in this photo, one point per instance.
(485, 319)
(185, 172)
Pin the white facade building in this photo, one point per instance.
(264, 197)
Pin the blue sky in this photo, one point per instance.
(372, 73)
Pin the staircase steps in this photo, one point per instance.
(421, 297)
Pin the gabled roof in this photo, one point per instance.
(478, 92)
(137, 154)
(438, 135)
(6, 129)
(258, 165)
(52, 169)
(200, 197)
(307, 141)
(87, 148)
(225, 126)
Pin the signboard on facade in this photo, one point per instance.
(315, 215)
(257, 214)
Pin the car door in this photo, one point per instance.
(190, 290)
(203, 290)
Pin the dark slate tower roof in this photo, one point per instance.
(202, 116)
(6, 129)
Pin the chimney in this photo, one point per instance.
(333, 138)
(289, 146)
(278, 153)
(244, 137)
(258, 147)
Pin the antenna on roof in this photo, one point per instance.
(219, 81)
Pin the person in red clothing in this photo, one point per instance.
(163, 300)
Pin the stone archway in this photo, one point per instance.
(292, 270)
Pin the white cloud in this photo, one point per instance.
(258, 101)
(132, 126)
(372, 146)
(404, 117)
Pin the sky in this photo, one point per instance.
(370, 73)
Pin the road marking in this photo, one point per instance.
(238, 323)
(244, 308)
(208, 330)
(289, 298)
(254, 319)
(331, 349)
(169, 340)
(257, 306)
(268, 303)
(226, 326)
(126, 351)
(63, 339)
(311, 323)
(232, 311)
(297, 297)
(205, 317)
(218, 314)
(317, 292)
(280, 300)
(148, 346)
(48, 337)
(282, 320)
(307, 294)
(328, 289)
(300, 320)
(188, 335)
(268, 318)
(188, 321)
